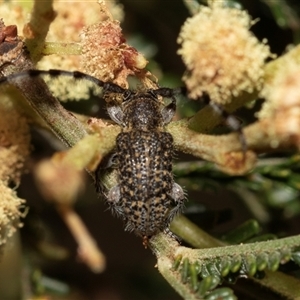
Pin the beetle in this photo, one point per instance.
(146, 196)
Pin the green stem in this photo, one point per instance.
(284, 285)
(36, 30)
(61, 48)
(205, 255)
(164, 247)
(192, 234)
(206, 119)
(166, 250)
(223, 150)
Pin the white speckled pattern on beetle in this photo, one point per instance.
(146, 197)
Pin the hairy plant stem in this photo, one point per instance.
(192, 234)
(166, 250)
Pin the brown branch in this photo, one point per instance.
(63, 123)
(225, 150)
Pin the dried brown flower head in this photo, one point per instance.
(222, 56)
(106, 56)
(66, 27)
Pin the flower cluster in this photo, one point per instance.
(223, 58)
(282, 105)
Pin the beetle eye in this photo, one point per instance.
(127, 95)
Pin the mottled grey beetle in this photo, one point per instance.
(146, 196)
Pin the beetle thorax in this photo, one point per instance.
(142, 113)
